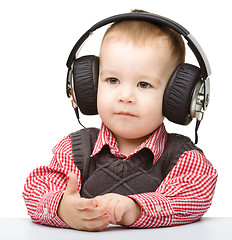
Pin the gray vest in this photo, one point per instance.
(104, 173)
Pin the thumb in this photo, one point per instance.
(72, 186)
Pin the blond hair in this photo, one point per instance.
(140, 32)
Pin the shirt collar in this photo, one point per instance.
(156, 142)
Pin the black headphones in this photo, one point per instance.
(187, 92)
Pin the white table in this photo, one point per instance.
(205, 229)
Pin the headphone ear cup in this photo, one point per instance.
(178, 93)
(85, 81)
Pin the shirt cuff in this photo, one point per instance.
(47, 209)
(156, 210)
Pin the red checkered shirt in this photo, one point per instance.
(183, 196)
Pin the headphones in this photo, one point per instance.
(186, 95)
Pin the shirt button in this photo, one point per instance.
(45, 211)
(158, 208)
(112, 151)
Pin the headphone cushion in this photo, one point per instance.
(85, 81)
(178, 93)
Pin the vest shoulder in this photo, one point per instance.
(180, 143)
(86, 132)
(83, 142)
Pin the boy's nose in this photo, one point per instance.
(126, 95)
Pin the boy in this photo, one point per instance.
(125, 178)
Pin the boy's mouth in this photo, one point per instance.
(126, 114)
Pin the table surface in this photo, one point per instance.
(206, 228)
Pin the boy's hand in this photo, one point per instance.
(81, 213)
(124, 210)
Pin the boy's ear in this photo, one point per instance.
(178, 93)
(85, 81)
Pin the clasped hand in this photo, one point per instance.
(97, 213)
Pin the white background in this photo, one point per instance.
(35, 40)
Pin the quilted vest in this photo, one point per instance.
(105, 173)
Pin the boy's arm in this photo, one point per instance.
(45, 186)
(184, 195)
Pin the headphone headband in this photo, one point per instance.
(153, 18)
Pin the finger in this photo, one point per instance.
(72, 186)
(111, 208)
(119, 210)
(97, 224)
(84, 203)
(108, 203)
(93, 213)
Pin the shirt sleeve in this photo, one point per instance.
(183, 196)
(45, 186)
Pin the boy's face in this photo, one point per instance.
(131, 85)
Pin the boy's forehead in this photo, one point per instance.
(118, 52)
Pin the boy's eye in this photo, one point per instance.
(113, 80)
(144, 85)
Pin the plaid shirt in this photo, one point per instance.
(183, 196)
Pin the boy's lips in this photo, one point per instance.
(125, 113)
